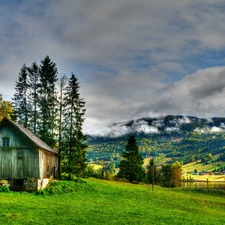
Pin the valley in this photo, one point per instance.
(193, 141)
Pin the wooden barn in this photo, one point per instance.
(26, 162)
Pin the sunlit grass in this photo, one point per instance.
(110, 202)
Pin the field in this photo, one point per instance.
(190, 167)
(107, 202)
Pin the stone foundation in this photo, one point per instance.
(30, 184)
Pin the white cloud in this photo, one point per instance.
(216, 129)
(184, 120)
(142, 126)
(171, 129)
(199, 94)
(208, 129)
(132, 58)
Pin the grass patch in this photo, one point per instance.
(108, 202)
(63, 187)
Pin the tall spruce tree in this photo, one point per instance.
(21, 104)
(131, 165)
(34, 86)
(62, 84)
(74, 149)
(48, 101)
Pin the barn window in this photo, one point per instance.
(5, 141)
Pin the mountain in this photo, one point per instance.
(164, 125)
(183, 138)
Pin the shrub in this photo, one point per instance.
(108, 175)
(4, 188)
(62, 187)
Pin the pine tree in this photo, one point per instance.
(20, 100)
(131, 165)
(34, 86)
(74, 149)
(48, 101)
(62, 83)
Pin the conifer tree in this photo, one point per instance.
(48, 101)
(20, 100)
(131, 165)
(74, 149)
(34, 86)
(62, 84)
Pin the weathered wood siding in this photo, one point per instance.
(21, 159)
(48, 164)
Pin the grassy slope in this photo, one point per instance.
(113, 203)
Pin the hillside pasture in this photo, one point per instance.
(109, 202)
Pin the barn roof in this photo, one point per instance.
(35, 139)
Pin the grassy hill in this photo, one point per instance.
(107, 202)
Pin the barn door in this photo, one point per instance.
(20, 164)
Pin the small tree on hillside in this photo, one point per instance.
(151, 172)
(131, 165)
(171, 174)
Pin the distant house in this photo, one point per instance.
(26, 162)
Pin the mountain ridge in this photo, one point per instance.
(163, 125)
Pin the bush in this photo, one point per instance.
(4, 188)
(62, 187)
(90, 172)
(108, 175)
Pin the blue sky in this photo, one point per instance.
(133, 58)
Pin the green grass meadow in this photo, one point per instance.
(110, 202)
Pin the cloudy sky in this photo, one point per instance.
(133, 58)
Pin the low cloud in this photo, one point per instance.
(172, 129)
(206, 129)
(142, 126)
(184, 120)
(121, 129)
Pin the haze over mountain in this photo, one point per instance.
(170, 124)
